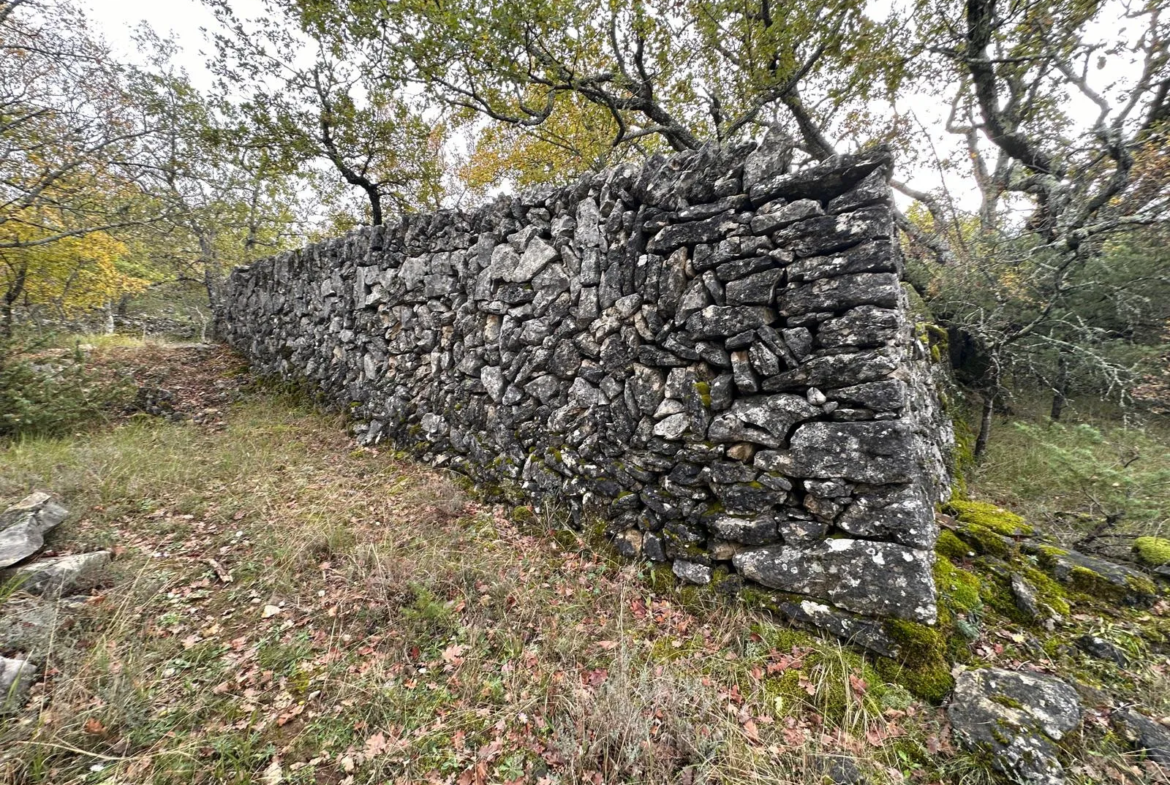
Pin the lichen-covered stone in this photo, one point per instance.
(874, 578)
(23, 526)
(1017, 718)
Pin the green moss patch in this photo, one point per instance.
(950, 546)
(923, 668)
(957, 588)
(1152, 551)
(988, 516)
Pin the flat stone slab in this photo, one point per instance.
(863, 576)
(23, 527)
(16, 676)
(57, 575)
(1144, 734)
(27, 625)
(1017, 718)
(1133, 586)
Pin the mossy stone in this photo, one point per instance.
(957, 588)
(950, 546)
(989, 516)
(1152, 551)
(922, 668)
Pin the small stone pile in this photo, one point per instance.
(24, 625)
(713, 351)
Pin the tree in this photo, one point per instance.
(229, 201)
(68, 140)
(1054, 189)
(684, 73)
(309, 100)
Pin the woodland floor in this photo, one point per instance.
(286, 607)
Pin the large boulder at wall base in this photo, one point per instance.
(1017, 718)
(874, 578)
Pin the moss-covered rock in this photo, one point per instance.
(950, 546)
(1152, 551)
(990, 517)
(923, 668)
(957, 588)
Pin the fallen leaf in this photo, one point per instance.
(453, 654)
(274, 774)
(269, 611)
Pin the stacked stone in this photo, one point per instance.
(711, 350)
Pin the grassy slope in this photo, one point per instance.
(380, 626)
(1068, 478)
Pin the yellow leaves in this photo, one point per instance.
(73, 273)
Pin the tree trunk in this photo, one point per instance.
(109, 309)
(1060, 391)
(985, 420)
(10, 297)
(375, 204)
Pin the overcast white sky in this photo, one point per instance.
(117, 19)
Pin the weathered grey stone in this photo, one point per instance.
(535, 257)
(1017, 718)
(768, 221)
(832, 233)
(799, 341)
(1099, 648)
(873, 257)
(717, 321)
(832, 177)
(843, 292)
(59, 574)
(884, 396)
(1026, 597)
(875, 578)
(874, 189)
(690, 572)
(795, 531)
(749, 498)
(855, 630)
(771, 159)
(16, 677)
(755, 289)
(493, 381)
(878, 453)
(835, 370)
(903, 514)
(1144, 734)
(23, 526)
(862, 327)
(765, 420)
(1133, 586)
(691, 233)
(748, 531)
(629, 543)
(672, 427)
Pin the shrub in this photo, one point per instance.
(48, 396)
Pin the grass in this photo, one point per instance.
(1099, 475)
(285, 607)
(380, 626)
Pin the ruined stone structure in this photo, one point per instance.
(712, 352)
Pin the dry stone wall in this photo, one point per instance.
(712, 351)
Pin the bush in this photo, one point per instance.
(49, 395)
